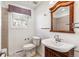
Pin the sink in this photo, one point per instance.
(58, 46)
(52, 43)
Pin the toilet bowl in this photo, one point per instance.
(30, 48)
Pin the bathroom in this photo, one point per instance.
(37, 26)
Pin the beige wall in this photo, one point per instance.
(4, 31)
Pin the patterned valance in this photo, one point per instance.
(16, 9)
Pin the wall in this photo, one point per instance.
(0, 25)
(44, 21)
(17, 36)
(4, 32)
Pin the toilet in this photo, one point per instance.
(30, 48)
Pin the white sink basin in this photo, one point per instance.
(59, 46)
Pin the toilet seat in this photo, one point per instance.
(29, 46)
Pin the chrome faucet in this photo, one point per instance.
(57, 38)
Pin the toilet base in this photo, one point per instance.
(30, 53)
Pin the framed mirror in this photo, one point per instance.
(62, 17)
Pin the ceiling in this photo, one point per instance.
(31, 4)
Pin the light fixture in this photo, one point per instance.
(52, 2)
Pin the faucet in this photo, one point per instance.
(57, 39)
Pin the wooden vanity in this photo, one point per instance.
(52, 53)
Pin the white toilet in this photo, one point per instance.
(30, 48)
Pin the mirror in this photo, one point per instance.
(62, 17)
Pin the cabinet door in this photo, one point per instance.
(52, 53)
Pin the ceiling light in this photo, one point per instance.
(52, 3)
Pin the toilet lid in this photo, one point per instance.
(29, 46)
(35, 37)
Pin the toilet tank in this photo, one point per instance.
(36, 40)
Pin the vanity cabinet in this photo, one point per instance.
(52, 53)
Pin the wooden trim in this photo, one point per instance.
(16, 9)
(62, 31)
(51, 20)
(71, 14)
(72, 17)
(60, 4)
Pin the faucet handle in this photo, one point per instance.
(56, 36)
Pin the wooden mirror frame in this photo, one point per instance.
(71, 14)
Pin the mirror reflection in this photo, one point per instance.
(61, 19)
